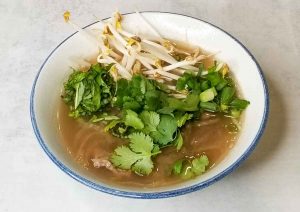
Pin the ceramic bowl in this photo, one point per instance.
(54, 71)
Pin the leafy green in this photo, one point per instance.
(209, 106)
(188, 81)
(208, 95)
(138, 93)
(132, 119)
(117, 128)
(177, 167)
(212, 68)
(79, 94)
(181, 118)
(227, 94)
(235, 113)
(137, 156)
(165, 130)
(103, 117)
(166, 110)
(240, 104)
(214, 78)
(190, 168)
(178, 141)
(140, 143)
(205, 85)
(124, 157)
(189, 104)
(111, 125)
(201, 69)
(199, 164)
(151, 120)
(222, 84)
(87, 93)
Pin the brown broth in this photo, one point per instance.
(85, 141)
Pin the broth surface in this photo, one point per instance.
(85, 141)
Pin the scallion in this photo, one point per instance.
(208, 95)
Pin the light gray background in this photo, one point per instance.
(268, 181)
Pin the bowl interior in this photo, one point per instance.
(72, 51)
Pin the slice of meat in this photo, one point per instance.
(104, 162)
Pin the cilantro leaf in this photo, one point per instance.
(139, 93)
(166, 110)
(151, 120)
(188, 169)
(152, 100)
(182, 118)
(165, 130)
(140, 143)
(124, 158)
(177, 167)
(132, 119)
(199, 164)
(137, 156)
(143, 166)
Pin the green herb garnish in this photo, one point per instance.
(88, 93)
(137, 156)
(190, 168)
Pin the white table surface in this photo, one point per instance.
(268, 181)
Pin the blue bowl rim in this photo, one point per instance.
(152, 195)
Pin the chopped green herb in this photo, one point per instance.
(89, 92)
(208, 95)
(189, 104)
(209, 106)
(227, 95)
(188, 81)
(214, 78)
(235, 113)
(240, 104)
(221, 84)
(205, 85)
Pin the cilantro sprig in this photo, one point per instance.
(136, 156)
(187, 168)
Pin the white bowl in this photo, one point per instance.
(48, 83)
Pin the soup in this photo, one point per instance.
(149, 113)
(211, 135)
